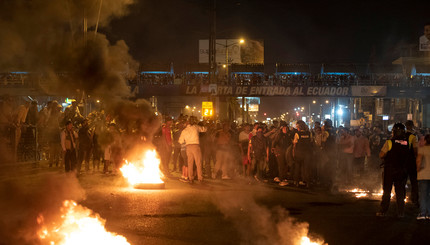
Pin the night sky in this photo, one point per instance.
(165, 31)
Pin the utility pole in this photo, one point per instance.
(212, 43)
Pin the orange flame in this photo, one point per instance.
(306, 241)
(144, 171)
(79, 226)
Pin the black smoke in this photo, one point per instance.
(57, 39)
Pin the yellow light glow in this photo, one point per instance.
(144, 171)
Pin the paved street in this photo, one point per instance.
(216, 212)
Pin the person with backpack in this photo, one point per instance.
(394, 154)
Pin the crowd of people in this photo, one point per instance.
(256, 79)
(283, 153)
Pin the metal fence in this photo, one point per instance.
(20, 144)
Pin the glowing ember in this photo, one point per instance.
(145, 171)
(79, 225)
(306, 241)
(359, 193)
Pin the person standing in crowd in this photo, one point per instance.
(361, 151)
(376, 142)
(117, 150)
(412, 154)
(254, 130)
(165, 145)
(346, 143)
(302, 151)
(394, 154)
(223, 152)
(97, 150)
(244, 141)
(20, 127)
(329, 150)
(319, 140)
(177, 160)
(110, 138)
(85, 146)
(190, 136)
(53, 132)
(236, 163)
(280, 145)
(423, 176)
(68, 144)
(209, 153)
(32, 114)
(258, 154)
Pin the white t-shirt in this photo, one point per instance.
(424, 172)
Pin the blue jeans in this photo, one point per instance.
(424, 197)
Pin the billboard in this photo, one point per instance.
(425, 39)
(231, 51)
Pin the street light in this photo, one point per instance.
(226, 46)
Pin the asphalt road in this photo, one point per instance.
(216, 212)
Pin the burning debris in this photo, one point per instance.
(78, 225)
(370, 194)
(306, 241)
(145, 172)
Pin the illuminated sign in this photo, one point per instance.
(207, 109)
(253, 107)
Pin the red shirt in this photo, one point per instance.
(167, 134)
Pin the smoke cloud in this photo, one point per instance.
(258, 224)
(47, 37)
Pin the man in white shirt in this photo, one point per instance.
(190, 136)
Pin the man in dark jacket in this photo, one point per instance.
(85, 145)
(280, 145)
(258, 154)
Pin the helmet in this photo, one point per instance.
(398, 130)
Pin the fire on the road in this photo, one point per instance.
(359, 193)
(78, 226)
(306, 241)
(145, 171)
